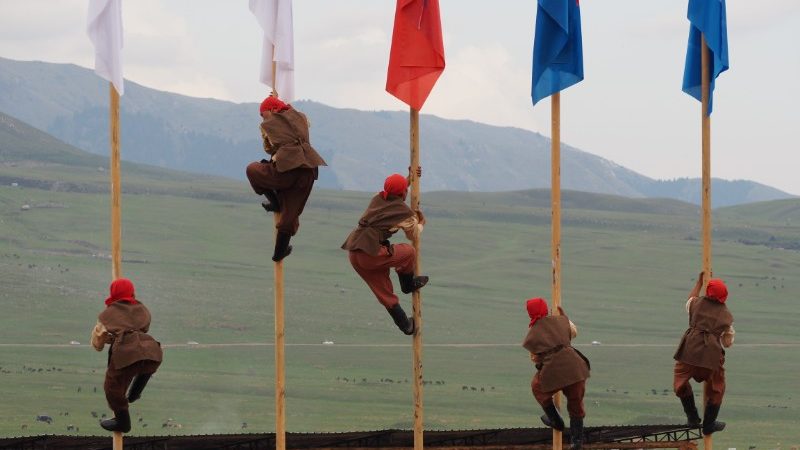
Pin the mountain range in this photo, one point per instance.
(215, 137)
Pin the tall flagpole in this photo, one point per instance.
(555, 200)
(116, 214)
(104, 27)
(706, 144)
(416, 297)
(706, 201)
(116, 207)
(280, 360)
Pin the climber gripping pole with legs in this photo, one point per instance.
(557, 65)
(286, 180)
(287, 177)
(706, 59)
(416, 61)
(275, 19)
(104, 27)
(136, 357)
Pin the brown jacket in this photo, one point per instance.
(701, 344)
(286, 139)
(559, 364)
(376, 224)
(127, 325)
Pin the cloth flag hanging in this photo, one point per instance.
(557, 48)
(104, 27)
(707, 17)
(275, 18)
(417, 57)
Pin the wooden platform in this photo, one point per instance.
(608, 437)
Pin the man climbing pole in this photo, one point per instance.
(701, 355)
(287, 178)
(372, 255)
(133, 355)
(559, 367)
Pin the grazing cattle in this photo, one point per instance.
(44, 418)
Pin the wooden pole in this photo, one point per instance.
(280, 371)
(706, 143)
(706, 202)
(555, 200)
(416, 297)
(280, 355)
(555, 196)
(117, 440)
(116, 214)
(116, 206)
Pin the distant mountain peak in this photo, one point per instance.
(217, 137)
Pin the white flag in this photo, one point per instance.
(275, 18)
(104, 27)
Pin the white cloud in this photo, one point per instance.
(49, 31)
(372, 36)
(747, 17)
(50, 18)
(484, 83)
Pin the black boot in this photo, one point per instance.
(139, 382)
(692, 418)
(282, 247)
(272, 204)
(710, 424)
(576, 433)
(121, 422)
(409, 283)
(552, 418)
(405, 323)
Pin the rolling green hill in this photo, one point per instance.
(198, 250)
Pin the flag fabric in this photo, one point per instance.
(557, 48)
(104, 27)
(707, 17)
(275, 18)
(416, 59)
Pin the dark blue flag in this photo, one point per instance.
(557, 47)
(707, 17)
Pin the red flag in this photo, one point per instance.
(417, 56)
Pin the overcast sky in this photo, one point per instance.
(629, 109)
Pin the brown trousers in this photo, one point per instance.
(293, 188)
(375, 269)
(714, 388)
(118, 380)
(574, 393)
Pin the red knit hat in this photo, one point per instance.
(395, 184)
(537, 308)
(121, 289)
(717, 290)
(273, 104)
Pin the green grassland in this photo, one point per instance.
(198, 250)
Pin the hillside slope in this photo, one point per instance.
(217, 137)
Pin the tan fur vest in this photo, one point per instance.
(286, 139)
(561, 365)
(129, 324)
(374, 224)
(700, 345)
